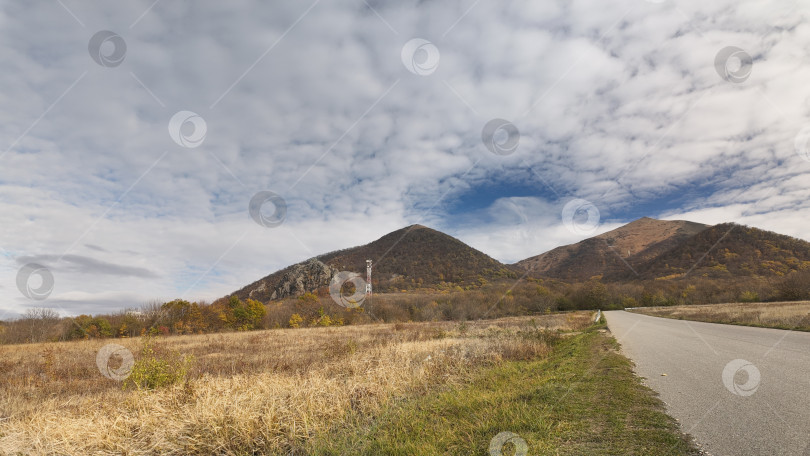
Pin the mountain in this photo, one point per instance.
(730, 250)
(609, 254)
(660, 249)
(646, 249)
(415, 256)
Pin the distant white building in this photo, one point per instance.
(135, 313)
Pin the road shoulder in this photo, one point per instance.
(583, 399)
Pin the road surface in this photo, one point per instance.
(737, 390)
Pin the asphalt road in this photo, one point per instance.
(758, 406)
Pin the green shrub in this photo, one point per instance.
(87, 327)
(158, 368)
(563, 303)
(749, 296)
(246, 315)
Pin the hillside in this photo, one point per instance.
(733, 251)
(412, 257)
(609, 254)
(657, 249)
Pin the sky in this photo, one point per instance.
(153, 150)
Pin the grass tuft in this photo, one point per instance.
(158, 368)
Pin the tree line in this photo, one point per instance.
(490, 300)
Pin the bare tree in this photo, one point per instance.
(36, 325)
(41, 313)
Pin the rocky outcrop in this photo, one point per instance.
(256, 291)
(303, 277)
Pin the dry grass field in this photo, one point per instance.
(782, 315)
(260, 392)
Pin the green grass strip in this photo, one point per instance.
(583, 400)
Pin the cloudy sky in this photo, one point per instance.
(134, 135)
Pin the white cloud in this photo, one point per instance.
(318, 107)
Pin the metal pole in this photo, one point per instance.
(368, 278)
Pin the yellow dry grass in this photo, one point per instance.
(263, 391)
(784, 315)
